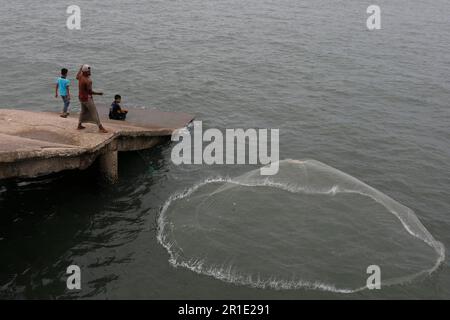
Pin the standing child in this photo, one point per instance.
(62, 84)
(116, 112)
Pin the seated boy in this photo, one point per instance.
(116, 112)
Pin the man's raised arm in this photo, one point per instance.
(79, 73)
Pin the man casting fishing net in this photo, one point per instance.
(88, 110)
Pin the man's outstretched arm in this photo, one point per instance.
(92, 92)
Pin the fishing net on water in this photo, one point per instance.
(309, 226)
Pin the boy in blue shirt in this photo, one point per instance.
(116, 112)
(62, 84)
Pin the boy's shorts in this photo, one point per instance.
(117, 116)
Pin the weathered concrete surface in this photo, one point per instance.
(38, 143)
(108, 163)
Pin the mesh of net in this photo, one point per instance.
(309, 226)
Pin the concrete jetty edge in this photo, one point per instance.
(39, 143)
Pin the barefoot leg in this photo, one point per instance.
(102, 129)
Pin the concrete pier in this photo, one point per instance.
(39, 143)
(109, 166)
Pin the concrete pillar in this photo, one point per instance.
(108, 164)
